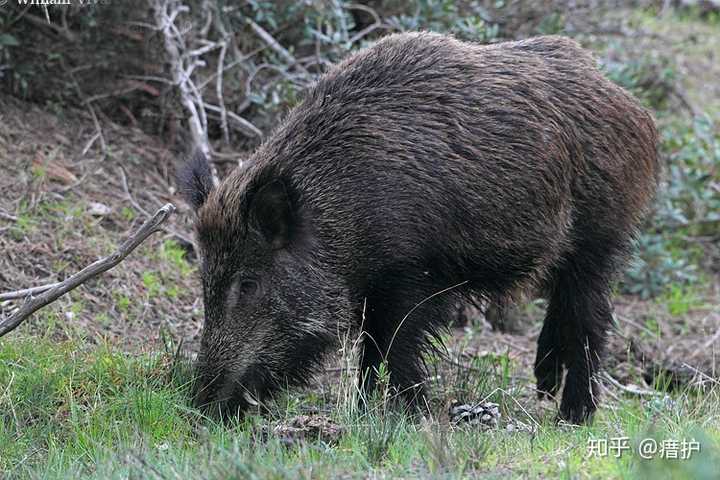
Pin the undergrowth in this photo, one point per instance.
(67, 411)
(687, 205)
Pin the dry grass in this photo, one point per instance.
(67, 205)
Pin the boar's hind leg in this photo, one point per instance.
(548, 362)
(574, 334)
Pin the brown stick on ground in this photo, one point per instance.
(55, 291)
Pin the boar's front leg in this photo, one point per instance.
(400, 321)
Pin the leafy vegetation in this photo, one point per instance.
(688, 202)
(688, 206)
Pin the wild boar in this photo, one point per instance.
(418, 171)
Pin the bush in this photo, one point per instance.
(687, 206)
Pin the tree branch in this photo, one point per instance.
(275, 45)
(630, 389)
(55, 291)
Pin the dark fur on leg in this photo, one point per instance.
(574, 335)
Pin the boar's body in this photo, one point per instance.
(417, 170)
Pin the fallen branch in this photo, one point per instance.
(27, 292)
(7, 216)
(55, 291)
(630, 388)
(700, 374)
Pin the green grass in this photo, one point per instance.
(174, 254)
(680, 300)
(69, 411)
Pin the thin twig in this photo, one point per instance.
(91, 110)
(149, 78)
(242, 59)
(90, 143)
(274, 44)
(700, 374)
(630, 389)
(219, 92)
(712, 340)
(243, 125)
(129, 195)
(370, 28)
(33, 304)
(7, 216)
(45, 23)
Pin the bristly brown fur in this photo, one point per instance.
(195, 179)
(415, 165)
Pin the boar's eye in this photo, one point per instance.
(247, 288)
(243, 291)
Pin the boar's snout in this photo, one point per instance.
(223, 393)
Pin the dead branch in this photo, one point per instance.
(186, 43)
(7, 216)
(271, 42)
(129, 196)
(219, 92)
(91, 110)
(275, 45)
(183, 62)
(45, 23)
(370, 28)
(243, 125)
(27, 292)
(90, 143)
(230, 66)
(180, 71)
(55, 291)
(630, 388)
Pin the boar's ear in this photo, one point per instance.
(271, 213)
(195, 180)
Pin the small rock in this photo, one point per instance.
(310, 428)
(518, 426)
(98, 209)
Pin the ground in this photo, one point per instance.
(97, 383)
(68, 205)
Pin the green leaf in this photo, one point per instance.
(7, 40)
